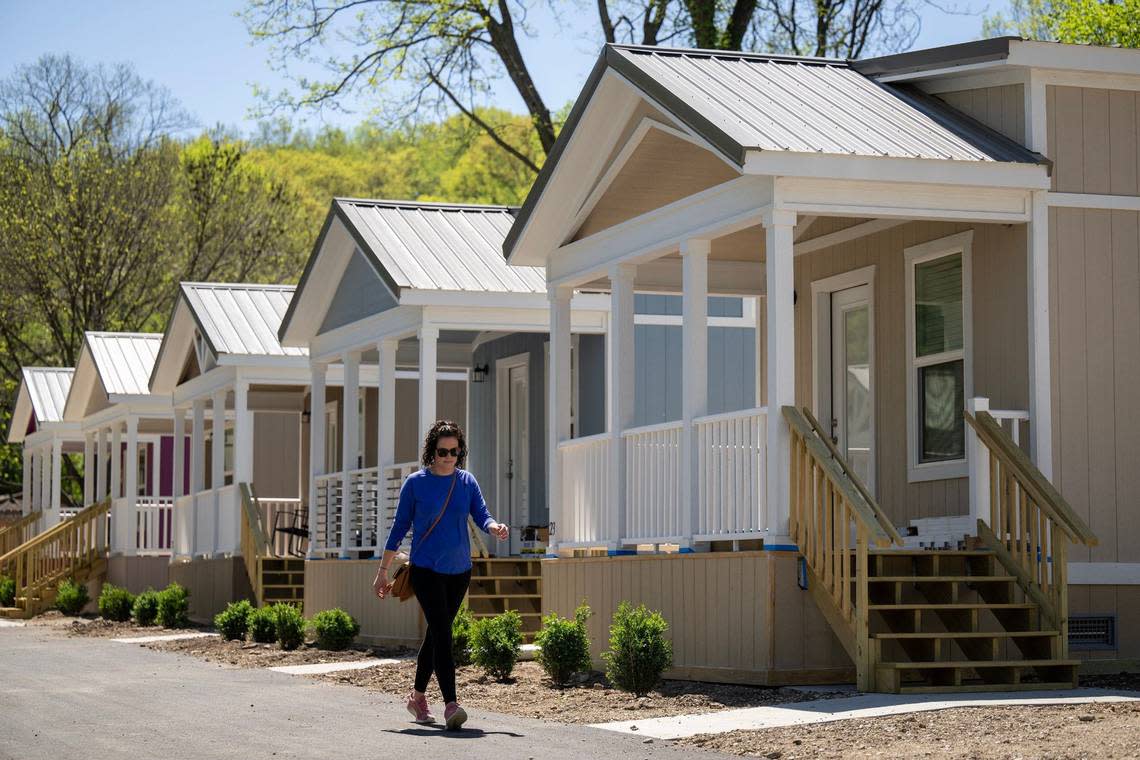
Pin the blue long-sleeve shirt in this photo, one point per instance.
(448, 548)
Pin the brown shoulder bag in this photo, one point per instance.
(402, 579)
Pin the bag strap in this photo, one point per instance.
(446, 501)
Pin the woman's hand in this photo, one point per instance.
(381, 586)
(499, 531)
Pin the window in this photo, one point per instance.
(938, 338)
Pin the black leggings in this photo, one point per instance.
(439, 596)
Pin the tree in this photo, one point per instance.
(1089, 22)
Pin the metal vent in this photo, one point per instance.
(1092, 631)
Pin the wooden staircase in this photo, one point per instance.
(75, 548)
(912, 620)
(273, 579)
(19, 532)
(510, 583)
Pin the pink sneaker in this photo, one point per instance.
(418, 707)
(454, 716)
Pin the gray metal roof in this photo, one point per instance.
(241, 318)
(47, 389)
(438, 246)
(124, 360)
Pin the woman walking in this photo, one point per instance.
(435, 503)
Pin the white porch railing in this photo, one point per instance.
(1014, 422)
(394, 477)
(182, 543)
(364, 509)
(587, 465)
(731, 475)
(327, 529)
(154, 525)
(653, 497)
(207, 523)
(370, 509)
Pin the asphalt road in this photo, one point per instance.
(63, 698)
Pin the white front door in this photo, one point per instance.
(518, 459)
(852, 398)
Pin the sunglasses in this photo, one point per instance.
(447, 452)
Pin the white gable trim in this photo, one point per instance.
(887, 169)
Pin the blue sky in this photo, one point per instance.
(202, 53)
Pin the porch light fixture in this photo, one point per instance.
(479, 373)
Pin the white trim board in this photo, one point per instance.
(1104, 573)
(846, 235)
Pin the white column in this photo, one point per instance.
(116, 460)
(197, 473)
(102, 454)
(182, 522)
(620, 381)
(780, 274)
(316, 446)
(37, 480)
(694, 372)
(428, 337)
(977, 457)
(56, 482)
(178, 477)
(128, 539)
(27, 484)
(88, 468)
(761, 305)
(1040, 381)
(558, 385)
(217, 466)
(350, 445)
(386, 406)
(243, 434)
(44, 476)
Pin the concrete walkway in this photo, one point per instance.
(64, 697)
(861, 706)
(164, 637)
(320, 668)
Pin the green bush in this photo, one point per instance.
(335, 629)
(71, 597)
(263, 625)
(233, 621)
(7, 591)
(174, 607)
(145, 609)
(115, 603)
(495, 644)
(461, 629)
(290, 625)
(639, 652)
(564, 645)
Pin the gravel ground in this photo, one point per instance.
(529, 694)
(1053, 732)
(247, 654)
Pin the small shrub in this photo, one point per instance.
(335, 629)
(639, 652)
(263, 625)
(71, 597)
(233, 621)
(564, 645)
(495, 644)
(461, 629)
(145, 609)
(290, 625)
(174, 607)
(7, 591)
(115, 603)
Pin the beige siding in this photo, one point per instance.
(137, 574)
(1095, 312)
(999, 340)
(721, 609)
(213, 583)
(348, 584)
(1122, 601)
(999, 108)
(1092, 140)
(276, 454)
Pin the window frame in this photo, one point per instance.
(961, 243)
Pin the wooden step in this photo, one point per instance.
(910, 607)
(984, 687)
(967, 635)
(978, 664)
(940, 579)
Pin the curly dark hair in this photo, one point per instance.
(443, 429)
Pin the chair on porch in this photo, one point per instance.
(294, 524)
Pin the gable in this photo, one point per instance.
(663, 168)
(359, 294)
(190, 368)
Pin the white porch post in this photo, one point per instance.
(27, 485)
(621, 378)
(178, 477)
(197, 471)
(316, 446)
(116, 461)
(56, 482)
(101, 456)
(350, 445)
(979, 464)
(1040, 382)
(88, 468)
(386, 405)
(217, 465)
(243, 434)
(428, 337)
(694, 372)
(558, 385)
(780, 275)
(182, 521)
(128, 541)
(37, 480)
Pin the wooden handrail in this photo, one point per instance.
(254, 540)
(11, 536)
(881, 516)
(1029, 478)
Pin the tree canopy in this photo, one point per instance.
(1090, 22)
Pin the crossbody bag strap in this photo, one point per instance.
(445, 503)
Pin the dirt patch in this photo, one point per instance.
(1057, 732)
(530, 694)
(247, 654)
(109, 629)
(1115, 682)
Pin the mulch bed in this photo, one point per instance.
(109, 629)
(248, 654)
(530, 694)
